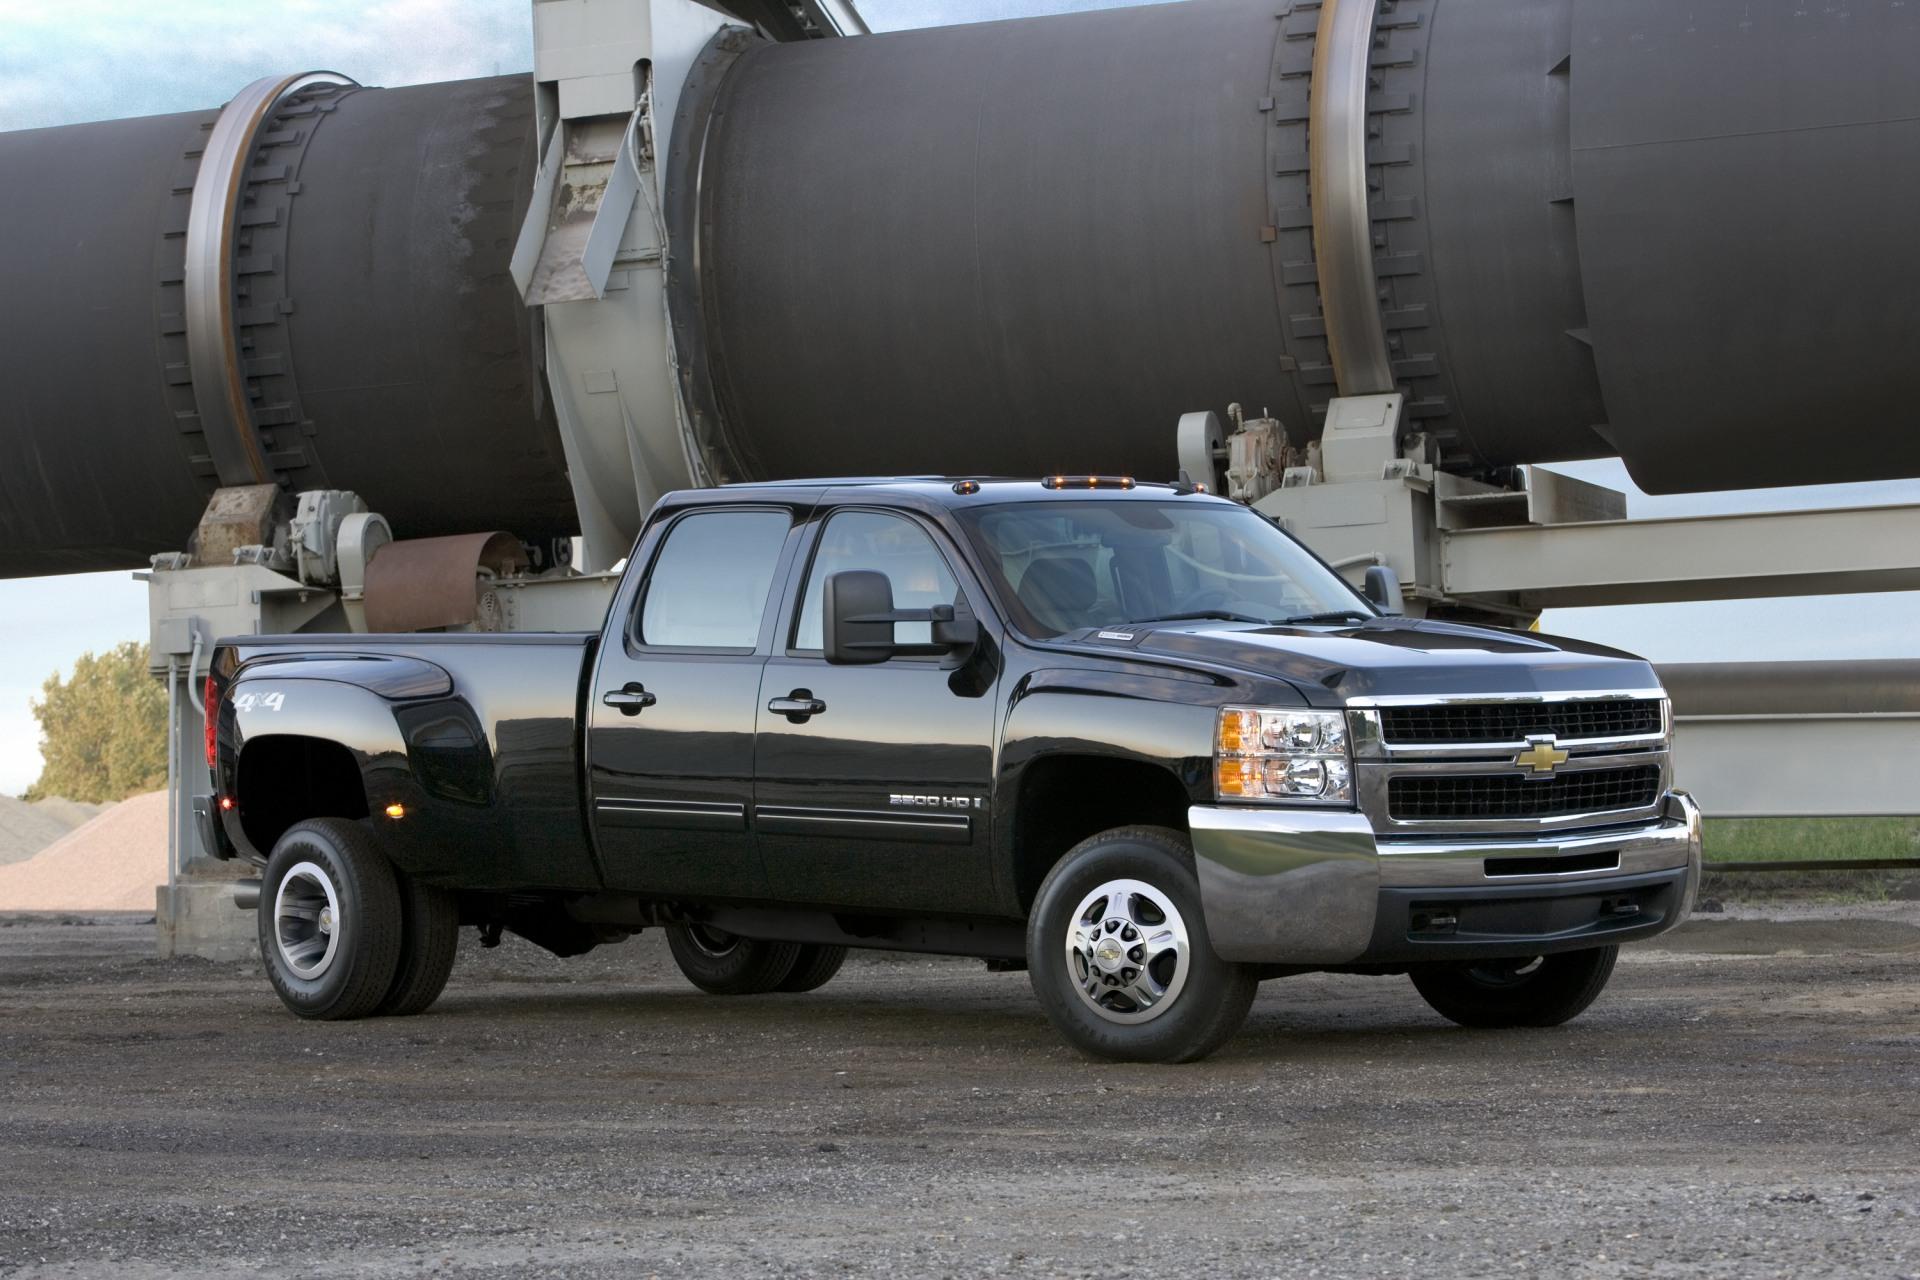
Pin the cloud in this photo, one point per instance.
(108, 59)
(19, 747)
(899, 15)
(72, 62)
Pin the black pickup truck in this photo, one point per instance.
(1132, 737)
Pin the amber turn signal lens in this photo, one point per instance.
(1239, 731)
(1238, 778)
(396, 811)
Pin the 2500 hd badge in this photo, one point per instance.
(935, 802)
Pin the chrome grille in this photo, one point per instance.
(1455, 797)
(1449, 765)
(1515, 721)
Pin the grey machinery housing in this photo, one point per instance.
(1677, 233)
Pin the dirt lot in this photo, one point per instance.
(1743, 1102)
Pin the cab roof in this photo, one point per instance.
(954, 491)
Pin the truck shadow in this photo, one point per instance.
(976, 1024)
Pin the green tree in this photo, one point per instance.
(103, 730)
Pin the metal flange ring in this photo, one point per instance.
(219, 388)
(1337, 171)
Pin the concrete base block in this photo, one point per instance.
(198, 918)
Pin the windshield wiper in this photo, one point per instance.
(1337, 615)
(1199, 615)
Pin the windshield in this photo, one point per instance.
(1062, 566)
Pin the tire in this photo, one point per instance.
(723, 964)
(329, 920)
(1122, 886)
(814, 967)
(429, 940)
(1541, 991)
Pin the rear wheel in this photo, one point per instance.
(814, 967)
(1530, 991)
(1118, 953)
(330, 920)
(429, 940)
(725, 964)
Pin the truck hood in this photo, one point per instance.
(1397, 657)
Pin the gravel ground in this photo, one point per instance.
(1743, 1102)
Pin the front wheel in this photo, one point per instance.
(1118, 953)
(1531, 991)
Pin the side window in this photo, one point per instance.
(891, 544)
(708, 588)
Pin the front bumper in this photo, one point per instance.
(1296, 886)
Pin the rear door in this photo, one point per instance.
(672, 704)
(879, 798)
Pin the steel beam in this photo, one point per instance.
(1723, 557)
(1797, 739)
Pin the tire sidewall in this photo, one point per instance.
(815, 966)
(748, 966)
(429, 944)
(1190, 1026)
(357, 954)
(1562, 988)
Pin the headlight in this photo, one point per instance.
(1298, 757)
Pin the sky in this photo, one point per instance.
(104, 59)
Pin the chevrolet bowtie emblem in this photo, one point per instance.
(1541, 756)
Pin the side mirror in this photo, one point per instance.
(859, 616)
(1383, 589)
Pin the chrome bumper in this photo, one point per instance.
(1296, 886)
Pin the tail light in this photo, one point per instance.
(213, 723)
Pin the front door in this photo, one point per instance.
(872, 783)
(672, 705)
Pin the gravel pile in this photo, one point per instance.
(27, 828)
(111, 863)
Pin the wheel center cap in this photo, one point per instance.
(326, 919)
(1109, 954)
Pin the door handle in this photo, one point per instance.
(631, 698)
(798, 706)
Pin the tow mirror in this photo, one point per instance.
(859, 618)
(1383, 589)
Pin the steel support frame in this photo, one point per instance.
(1516, 570)
(1832, 739)
(608, 346)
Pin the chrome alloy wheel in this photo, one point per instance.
(306, 920)
(712, 942)
(1128, 951)
(1506, 973)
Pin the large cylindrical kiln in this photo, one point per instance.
(1564, 229)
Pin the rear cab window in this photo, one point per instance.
(708, 587)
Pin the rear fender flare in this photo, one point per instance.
(266, 703)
